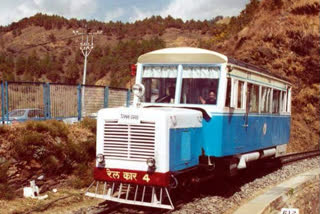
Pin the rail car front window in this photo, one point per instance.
(159, 90)
(200, 85)
(159, 83)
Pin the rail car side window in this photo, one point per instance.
(240, 97)
(253, 97)
(228, 95)
(284, 101)
(289, 100)
(265, 99)
(276, 101)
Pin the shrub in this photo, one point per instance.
(3, 129)
(51, 165)
(81, 152)
(89, 149)
(90, 124)
(26, 145)
(303, 45)
(3, 171)
(83, 176)
(6, 191)
(54, 127)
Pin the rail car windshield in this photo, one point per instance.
(199, 84)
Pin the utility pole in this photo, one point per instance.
(86, 47)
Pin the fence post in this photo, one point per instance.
(106, 97)
(128, 97)
(2, 102)
(79, 102)
(48, 100)
(45, 104)
(7, 101)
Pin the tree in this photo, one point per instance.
(52, 37)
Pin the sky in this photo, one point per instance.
(119, 10)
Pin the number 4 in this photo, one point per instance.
(146, 178)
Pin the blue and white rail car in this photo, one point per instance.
(193, 109)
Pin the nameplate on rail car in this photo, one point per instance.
(127, 176)
(129, 118)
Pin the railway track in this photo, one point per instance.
(114, 208)
(286, 159)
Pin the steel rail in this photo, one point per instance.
(297, 156)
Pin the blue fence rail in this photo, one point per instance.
(40, 101)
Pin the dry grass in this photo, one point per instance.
(71, 200)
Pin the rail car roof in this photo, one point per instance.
(197, 55)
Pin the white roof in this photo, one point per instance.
(182, 55)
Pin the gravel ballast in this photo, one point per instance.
(226, 195)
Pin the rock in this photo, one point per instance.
(2, 160)
(51, 183)
(41, 177)
(40, 183)
(19, 192)
(25, 174)
(12, 170)
(35, 164)
(64, 176)
(44, 188)
(13, 161)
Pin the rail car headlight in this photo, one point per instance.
(138, 90)
(100, 158)
(151, 162)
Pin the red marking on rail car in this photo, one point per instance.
(132, 176)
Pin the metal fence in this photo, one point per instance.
(35, 100)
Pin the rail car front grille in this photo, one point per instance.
(129, 142)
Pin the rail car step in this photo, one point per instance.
(148, 196)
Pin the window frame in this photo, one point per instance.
(179, 81)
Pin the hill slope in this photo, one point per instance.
(279, 35)
(283, 37)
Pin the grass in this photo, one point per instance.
(66, 200)
(291, 192)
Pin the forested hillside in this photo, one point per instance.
(44, 48)
(279, 35)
